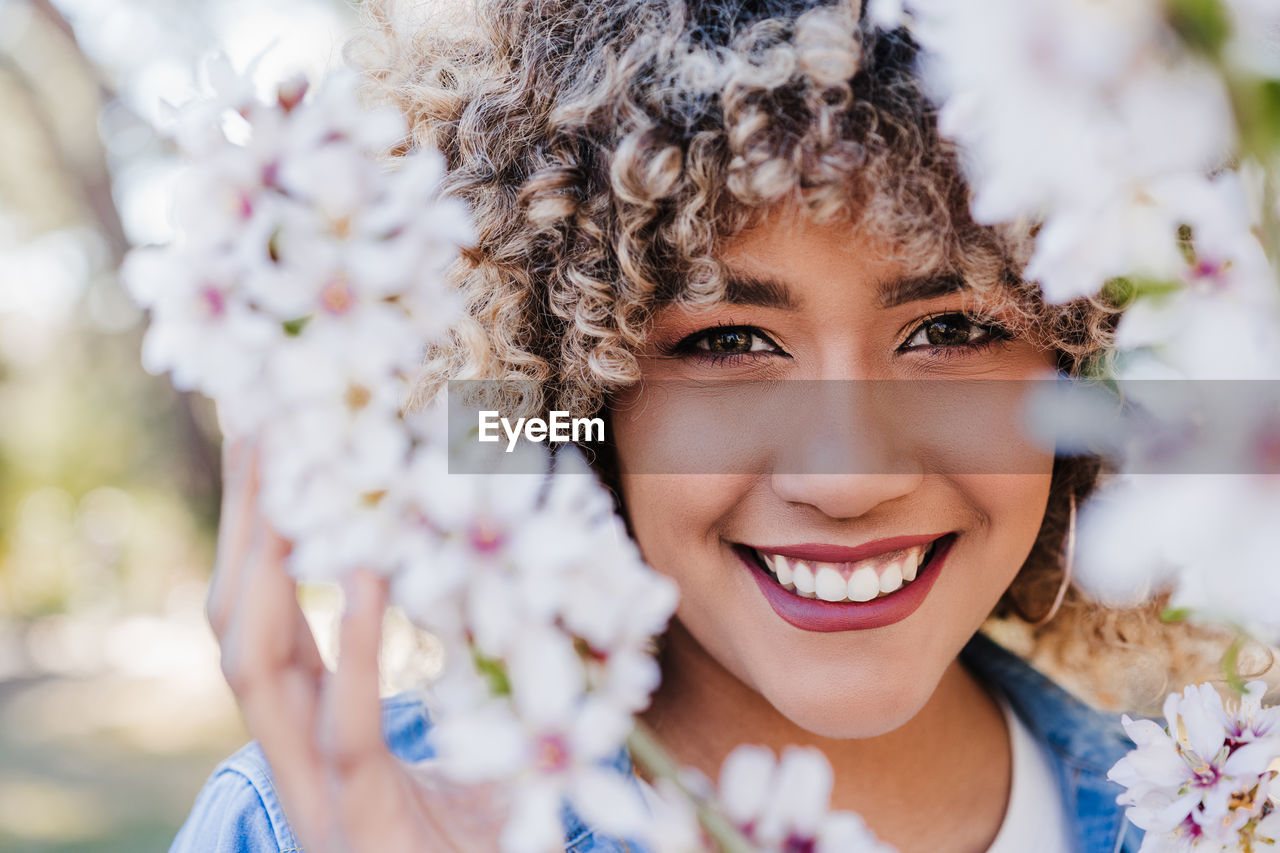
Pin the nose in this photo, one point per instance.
(841, 496)
(849, 454)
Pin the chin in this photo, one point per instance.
(850, 701)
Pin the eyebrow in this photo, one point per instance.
(900, 291)
(749, 289)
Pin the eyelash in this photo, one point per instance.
(994, 331)
(687, 347)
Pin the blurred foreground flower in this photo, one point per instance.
(782, 804)
(1138, 136)
(764, 805)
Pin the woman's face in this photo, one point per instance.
(793, 514)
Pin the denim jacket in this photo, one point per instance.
(239, 810)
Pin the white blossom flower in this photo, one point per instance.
(552, 743)
(1253, 46)
(1145, 533)
(783, 805)
(1059, 103)
(1084, 116)
(672, 822)
(1222, 317)
(1202, 782)
(203, 331)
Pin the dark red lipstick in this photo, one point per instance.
(813, 614)
(846, 554)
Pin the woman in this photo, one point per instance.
(679, 200)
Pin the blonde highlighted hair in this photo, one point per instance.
(609, 149)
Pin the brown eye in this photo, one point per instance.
(948, 331)
(953, 330)
(728, 341)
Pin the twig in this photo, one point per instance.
(647, 752)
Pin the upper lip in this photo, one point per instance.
(824, 553)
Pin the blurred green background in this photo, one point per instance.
(112, 707)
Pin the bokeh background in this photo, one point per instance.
(112, 707)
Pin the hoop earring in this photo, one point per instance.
(1068, 564)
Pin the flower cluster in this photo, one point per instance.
(1102, 124)
(306, 283)
(1205, 781)
(1203, 537)
(305, 286)
(555, 612)
(1133, 133)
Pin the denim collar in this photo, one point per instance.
(1083, 744)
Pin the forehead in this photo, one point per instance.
(779, 261)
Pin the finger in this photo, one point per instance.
(384, 805)
(371, 784)
(243, 537)
(306, 650)
(265, 609)
(235, 527)
(272, 664)
(356, 709)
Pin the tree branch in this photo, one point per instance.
(96, 187)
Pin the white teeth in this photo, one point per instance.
(911, 564)
(830, 585)
(892, 578)
(864, 584)
(782, 569)
(827, 582)
(803, 578)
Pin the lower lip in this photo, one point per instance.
(814, 614)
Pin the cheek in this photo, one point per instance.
(676, 518)
(681, 427)
(1012, 507)
(677, 521)
(673, 494)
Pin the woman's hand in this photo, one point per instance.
(342, 789)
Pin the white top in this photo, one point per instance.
(1034, 818)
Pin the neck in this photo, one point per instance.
(953, 755)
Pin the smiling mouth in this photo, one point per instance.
(859, 581)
